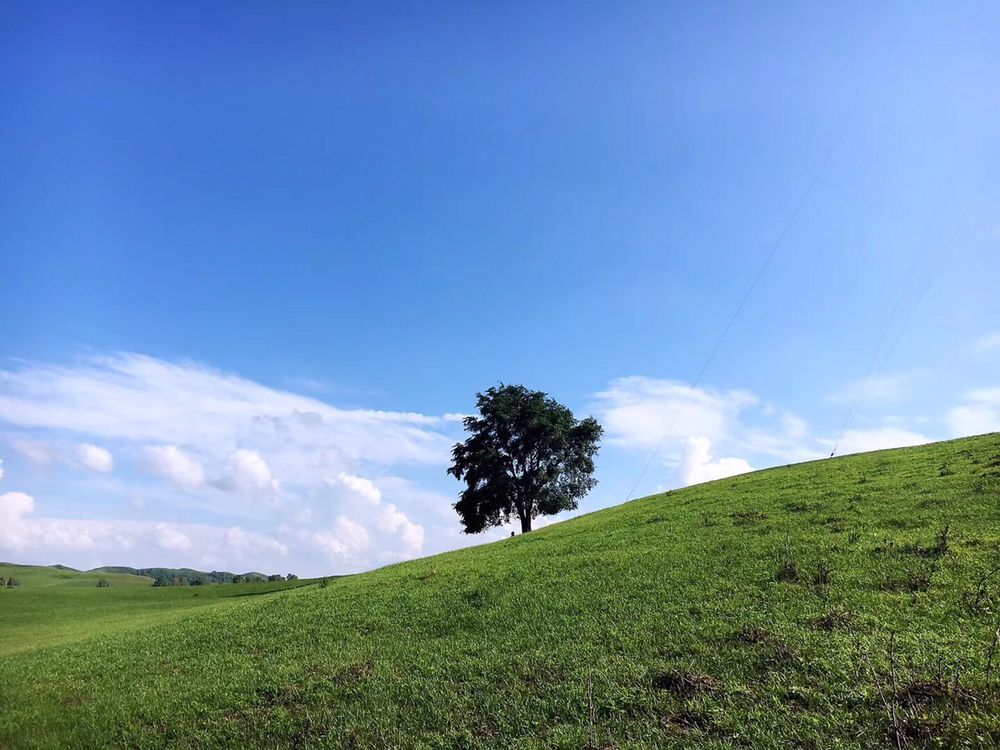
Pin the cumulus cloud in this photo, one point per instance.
(100, 542)
(640, 412)
(879, 438)
(14, 508)
(689, 426)
(248, 472)
(361, 487)
(979, 414)
(224, 440)
(347, 539)
(406, 538)
(411, 535)
(172, 463)
(684, 425)
(331, 475)
(697, 464)
(245, 471)
(94, 457)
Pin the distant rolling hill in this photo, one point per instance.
(31, 577)
(166, 575)
(845, 603)
(55, 605)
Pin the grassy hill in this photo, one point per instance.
(167, 575)
(841, 603)
(56, 605)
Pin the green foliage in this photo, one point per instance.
(656, 624)
(103, 583)
(183, 576)
(527, 456)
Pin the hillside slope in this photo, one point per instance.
(55, 605)
(168, 575)
(804, 606)
(44, 576)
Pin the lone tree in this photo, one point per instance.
(527, 456)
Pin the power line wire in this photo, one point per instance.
(753, 284)
(861, 393)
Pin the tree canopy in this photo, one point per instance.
(526, 456)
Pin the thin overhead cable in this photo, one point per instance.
(907, 317)
(753, 284)
(930, 279)
(861, 391)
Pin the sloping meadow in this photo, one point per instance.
(841, 603)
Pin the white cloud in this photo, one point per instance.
(221, 438)
(14, 508)
(225, 439)
(130, 397)
(347, 540)
(347, 498)
(94, 457)
(41, 540)
(411, 535)
(363, 488)
(171, 462)
(691, 424)
(407, 537)
(987, 343)
(645, 414)
(427, 502)
(248, 472)
(880, 438)
(697, 464)
(169, 537)
(37, 452)
(640, 412)
(980, 414)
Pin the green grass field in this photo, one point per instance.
(53, 607)
(844, 603)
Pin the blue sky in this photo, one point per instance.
(255, 259)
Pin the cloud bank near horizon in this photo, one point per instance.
(126, 458)
(182, 441)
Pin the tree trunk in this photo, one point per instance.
(525, 524)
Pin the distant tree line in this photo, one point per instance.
(166, 579)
